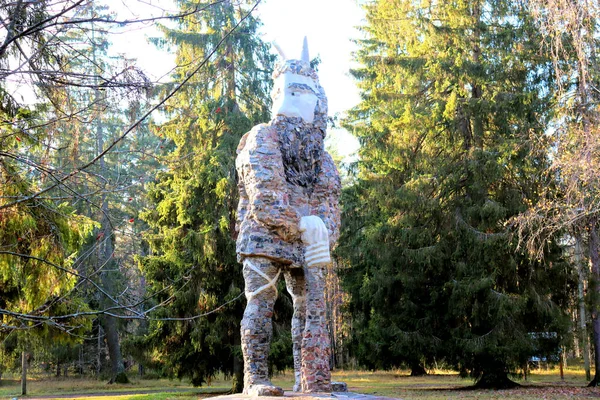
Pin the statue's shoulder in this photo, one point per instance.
(329, 172)
(327, 161)
(260, 136)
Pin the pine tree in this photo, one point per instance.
(451, 94)
(192, 269)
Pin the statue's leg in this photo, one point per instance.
(296, 286)
(260, 276)
(315, 374)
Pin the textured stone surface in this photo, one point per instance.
(271, 206)
(265, 390)
(307, 396)
(315, 374)
(256, 327)
(339, 387)
(295, 281)
(285, 174)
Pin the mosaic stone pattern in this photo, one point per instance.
(316, 349)
(285, 174)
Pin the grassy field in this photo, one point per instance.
(447, 385)
(439, 385)
(79, 386)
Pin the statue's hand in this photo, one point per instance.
(316, 239)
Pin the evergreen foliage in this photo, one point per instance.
(113, 182)
(40, 236)
(81, 100)
(192, 269)
(452, 94)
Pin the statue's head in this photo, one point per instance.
(297, 92)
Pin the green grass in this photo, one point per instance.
(154, 396)
(77, 386)
(448, 385)
(541, 384)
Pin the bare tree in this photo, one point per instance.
(571, 204)
(44, 55)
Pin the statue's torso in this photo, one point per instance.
(259, 151)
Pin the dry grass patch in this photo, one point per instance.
(541, 384)
(80, 386)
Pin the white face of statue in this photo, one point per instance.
(294, 96)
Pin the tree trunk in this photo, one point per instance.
(114, 349)
(23, 373)
(476, 91)
(108, 322)
(80, 364)
(416, 369)
(583, 336)
(99, 351)
(237, 384)
(562, 361)
(595, 288)
(496, 379)
(230, 85)
(143, 327)
(105, 260)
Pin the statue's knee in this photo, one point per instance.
(257, 314)
(246, 323)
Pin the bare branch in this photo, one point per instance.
(138, 122)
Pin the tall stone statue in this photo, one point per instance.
(288, 219)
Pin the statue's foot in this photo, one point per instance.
(264, 390)
(297, 387)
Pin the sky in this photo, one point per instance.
(329, 25)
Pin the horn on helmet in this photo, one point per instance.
(305, 56)
(279, 50)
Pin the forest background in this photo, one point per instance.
(469, 235)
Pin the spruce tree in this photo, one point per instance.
(451, 94)
(192, 269)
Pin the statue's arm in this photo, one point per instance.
(326, 198)
(262, 180)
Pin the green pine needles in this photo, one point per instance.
(193, 199)
(452, 93)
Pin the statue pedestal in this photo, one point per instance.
(305, 396)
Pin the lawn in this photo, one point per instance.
(448, 385)
(160, 388)
(541, 384)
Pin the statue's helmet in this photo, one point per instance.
(297, 92)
